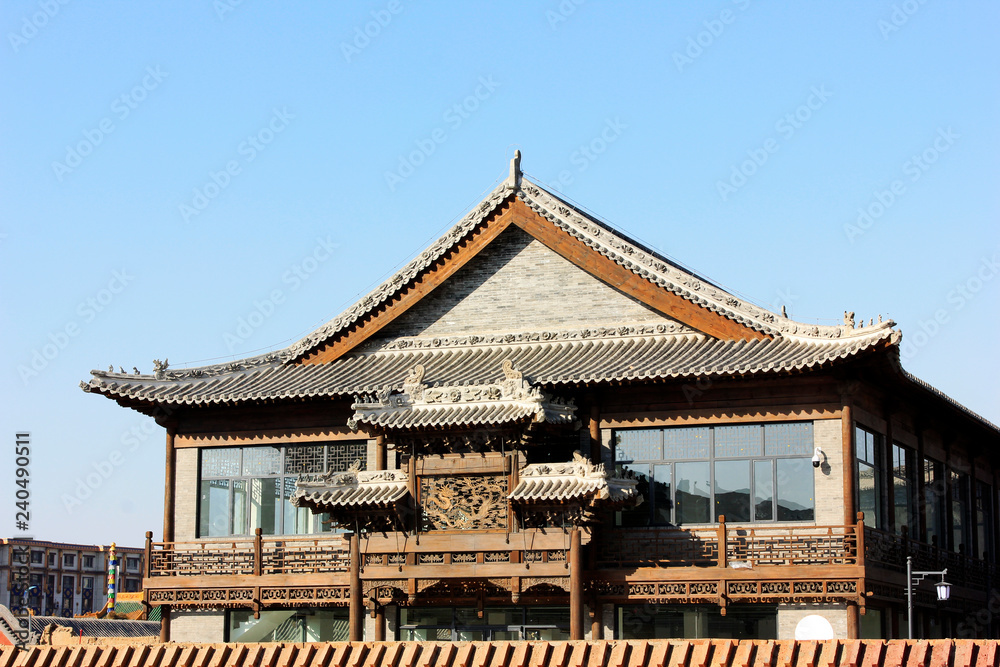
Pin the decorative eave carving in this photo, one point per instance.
(351, 491)
(419, 406)
(578, 480)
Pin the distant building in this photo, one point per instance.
(64, 579)
(542, 429)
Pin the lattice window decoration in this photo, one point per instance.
(451, 502)
(687, 443)
(305, 459)
(342, 455)
(741, 440)
(794, 439)
(259, 461)
(222, 462)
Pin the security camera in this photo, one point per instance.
(817, 457)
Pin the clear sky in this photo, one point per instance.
(167, 170)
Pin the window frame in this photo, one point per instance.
(282, 478)
(756, 455)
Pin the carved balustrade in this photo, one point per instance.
(731, 546)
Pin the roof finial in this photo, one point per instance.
(515, 171)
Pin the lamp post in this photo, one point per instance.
(913, 578)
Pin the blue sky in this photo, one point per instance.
(167, 170)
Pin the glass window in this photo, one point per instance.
(763, 484)
(795, 490)
(732, 490)
(289, 625)
(747, 472)
(653, 621)
(69, 560)
(961, 528)
(934, 501)
(88, 561)
(245, 488)
(869, 476)
(984, 521)
(904, 488)
(37, 557)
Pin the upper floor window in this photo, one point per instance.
(52, 559)
(870, 476)
(88, 562)
(37, 557)
(244, 488)
(933, 502)
(904, 489)
(132, 564)
(961, 514)
(69, 560)
(747, 472)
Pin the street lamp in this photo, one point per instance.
(913, 579)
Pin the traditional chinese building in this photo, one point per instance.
(542, 429)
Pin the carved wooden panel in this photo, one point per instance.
(452, 502)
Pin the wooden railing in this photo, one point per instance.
(255, 556)
(730, 546)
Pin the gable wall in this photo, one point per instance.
(518, 284)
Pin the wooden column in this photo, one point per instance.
(575, 585)
(597, 622)
(380, 453)
(853, 621)
(379, 623)
(849, 462)
(164, 623)
(356, 607)
(595, 431)
(169, 485)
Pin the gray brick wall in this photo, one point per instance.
(518, 284)
(185, 494)
(829, 478)
(197, 626)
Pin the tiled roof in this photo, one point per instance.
(638, 653)
(99, 627)
(351, 489)
(616, 352)
(578, 479)
(626, 354)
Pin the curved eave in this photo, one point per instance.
(557, 363)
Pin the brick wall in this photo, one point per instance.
(185, 494)
(197, 626)
(518, 284)
(829, 477)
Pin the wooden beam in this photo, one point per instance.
(634, 285)
(422, 285)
